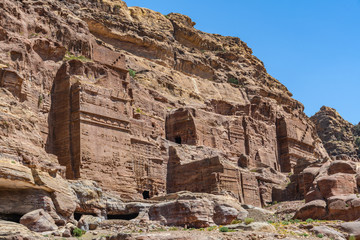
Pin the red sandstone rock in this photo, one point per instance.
(345, 207)
(314, 209)
(132, 134)
(196, 210)
(342, 167)
(192, 213)
(11, 230)
(333, 185)
(38, 221)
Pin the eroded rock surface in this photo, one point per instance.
(38, 221)
(341, 139)
(105, 106)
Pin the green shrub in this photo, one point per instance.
(69, 56)
(233, 81)
(285, 223)
(236, 221)
(297, 220)
(132, 72)
(77, 232)
(211, 228)
(223, 229)
(247, 221)
(352, 237)
(320, 235)
(309, 220)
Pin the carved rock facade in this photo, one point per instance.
(200, 114)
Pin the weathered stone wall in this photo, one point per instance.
(243, 135)
(213, 174)
(93, 134)
(11, 81)
(295, 142)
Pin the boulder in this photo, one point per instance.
(255, 226)
(257, 213)
(38, 221)
(314, 209)
(192, 213)
(334, 184)
(345, 207)
(313, 194)
(90, 198)
(342, 167)
(225, 214)
(14, 231)
(66, 233)
(351, 228)
(328, 232)
(196, 210)
(89, 222)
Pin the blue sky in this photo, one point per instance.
(311, 46)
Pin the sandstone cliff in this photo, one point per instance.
(341, 139)
(198, 112)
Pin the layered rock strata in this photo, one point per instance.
(199, 111)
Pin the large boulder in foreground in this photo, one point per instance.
(346, 208)
(314, 209)
(38, 221)
(11, 230)
(328, 232)
(351, 228)
(196, 210)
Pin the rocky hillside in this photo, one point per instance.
(341, 139)
(109, 113)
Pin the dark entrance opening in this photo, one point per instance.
(178, 139)
(146, 194)
(77, 216)
(11, 217)
(123, 216)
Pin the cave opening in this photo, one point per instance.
(77, 216)
(178, 139)
(146, 194)
(123, 216)
(11, 217)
